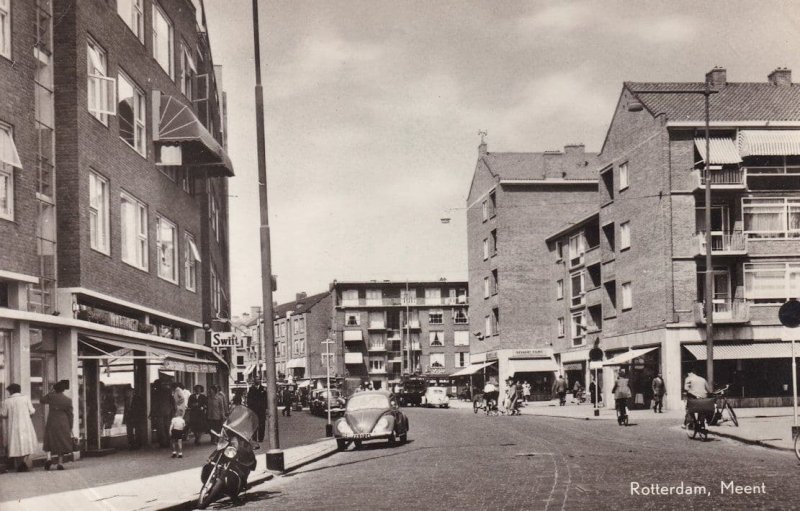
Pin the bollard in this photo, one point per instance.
(597, 412)
(328, 430)
(275, 460)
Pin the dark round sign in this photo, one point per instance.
(595, 354)
(789, 314)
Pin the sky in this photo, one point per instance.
(372, 112)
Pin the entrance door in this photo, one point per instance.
(721, 295)
(43, 373)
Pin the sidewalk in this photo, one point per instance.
(161, 491)
(768, 427)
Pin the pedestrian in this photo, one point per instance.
(560, 389)
(622, 392)
(134, 417)
(162, 409)
(658, 393)
(594, 392)
(58, 429)
(178, 397)
(108, 408)
(577, 389)
(257, 401)
(288, 397)
(176, 427)
(197, 406)
(526, 391)
(216, 412)
(17, 409)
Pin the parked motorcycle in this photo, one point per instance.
(233, 459)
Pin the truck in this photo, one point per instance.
(412, 390)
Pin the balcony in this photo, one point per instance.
(592, 255)
(735, 179)
(733, 243)
(376, 326)
(377, 347)
(403, 302)
(725, 312)
(594, 296)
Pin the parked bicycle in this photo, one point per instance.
(710, 411)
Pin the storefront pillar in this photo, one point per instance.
(672, 372)
(21, 354)
(141, 385)
(67, 369)
(609, 376)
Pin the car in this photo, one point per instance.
(318, 405)
(436, 396)
(371, 415)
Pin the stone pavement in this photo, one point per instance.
(164, 491)
(768, 427)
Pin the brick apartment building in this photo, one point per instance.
(513, 199)
(629, 272)
(113, 201)
(386, 328)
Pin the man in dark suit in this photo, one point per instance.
(135, 418)
(257, 401)
(162, 409)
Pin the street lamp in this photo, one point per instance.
(328, 426)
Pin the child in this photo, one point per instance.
(176, 428)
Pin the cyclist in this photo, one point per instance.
(696, 387)
(622, 392)
(491, 394)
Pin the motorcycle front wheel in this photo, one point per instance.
(209, 491)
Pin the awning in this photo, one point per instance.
(353, 335)
(471, 369)
(170, 360)
(574, 356)
(302, 384)
(8, 150)
(178, 128)
(353, 358)
(769, 142)
(624, 358)
(296, 363)
(532, 365)
(250, 369)
(743, 351)
(723, 150)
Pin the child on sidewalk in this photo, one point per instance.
(176, 428)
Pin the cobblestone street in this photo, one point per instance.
(458, 460)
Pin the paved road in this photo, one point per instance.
(458, 460)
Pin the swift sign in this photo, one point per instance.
(224, 340)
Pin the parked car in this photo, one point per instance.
(436, 396)
(371, 415)
(318, 402)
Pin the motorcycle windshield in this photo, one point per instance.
(242, 421)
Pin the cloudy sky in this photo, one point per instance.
(373, 108)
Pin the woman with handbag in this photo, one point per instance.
(58, 429)
(17, 409)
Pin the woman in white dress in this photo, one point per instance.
(17, 409)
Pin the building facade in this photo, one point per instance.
(386, 329)
(111, 165)
(301, 327)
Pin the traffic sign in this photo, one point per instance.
(789, 314)
(224, 340)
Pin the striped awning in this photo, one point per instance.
(723, 150)
(769, 142)
(743, 351)
(626, 356)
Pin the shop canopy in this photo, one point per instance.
(723, 150)
(532, 365)
(743, 351)
(471, 369)
(182, 140)
(769, 143)
(626, 357)
(296, 363)
(250, 369)
(99, 348)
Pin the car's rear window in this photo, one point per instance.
(366, 401)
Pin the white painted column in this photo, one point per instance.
(67, 369)
(672, 372)
(21, 354)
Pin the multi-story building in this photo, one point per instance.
(112, 201)
(386, 329)
(301, 327)
(514, 198)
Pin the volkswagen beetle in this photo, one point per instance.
(371, 415)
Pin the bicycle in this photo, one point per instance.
(722, 412)
(487, 405)
(622, 412)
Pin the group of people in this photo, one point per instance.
(561, 387)
(22, 440)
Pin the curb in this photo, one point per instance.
(749, 441)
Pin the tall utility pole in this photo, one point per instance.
(266, 262)
(408, 335)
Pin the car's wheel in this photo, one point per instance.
(392, 439)
(341, 444)
(404, 438)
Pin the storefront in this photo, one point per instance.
(533, 365)
(642, 364)
(474, 377)
(575, 366)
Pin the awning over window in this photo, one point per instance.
(626, 357)
(532, 365)
(109, 349)
(743, 351)
(471, 369)
(769, 142)
(177, 128)
(353, 358)
(8, 150)
(296, 363)
(723, 150)
(353, 335)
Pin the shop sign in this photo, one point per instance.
(189, 367)
(436, 370)
(224, 340)
(491, 355)
(531, 353)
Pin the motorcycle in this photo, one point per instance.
(230, 464)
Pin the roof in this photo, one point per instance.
(576, 165)
(299, 306)
(732, 102)
(570, 226)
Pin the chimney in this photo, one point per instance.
(575, 151)
(300, 296)
(551, 164)
(781, 76)
(482, 148)
(255, 311)
(717, 77)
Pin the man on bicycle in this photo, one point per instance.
(696, 386)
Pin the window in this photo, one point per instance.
(376, 365)
(487, 288)
(162, 41)
(133, 216)
(408, 296)
(437, 338)
(578, 328)
(777, 217)
(350, 297)
(352, 319)
(167, 250)
(576, 288)
(214, 213)
(492, 204)
(461, 296)
(623, 176)
(485, 208)
(624, 235)
(132, 12)
(559, 251)
(5, 28)
(131, 114)
(215, 295)
(493, 244)
(771, 282)
(295, 326)
(485, 249)
(495, 321)
(435, 317)
(9, 158)
(488, 326)
(374, 297)
(576, 249)
(437, 359)
(559, 289)
(191, 256)
(495, 282)
(627, 296)
(98, 213)
(188, 72)
(607, 178)
(460, 359)
(377, 342)
(561, 327)
(101, 89)
(433, 296)
(376, 320)
(461, 338)
(460, 317)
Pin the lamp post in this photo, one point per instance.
(328, 426)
